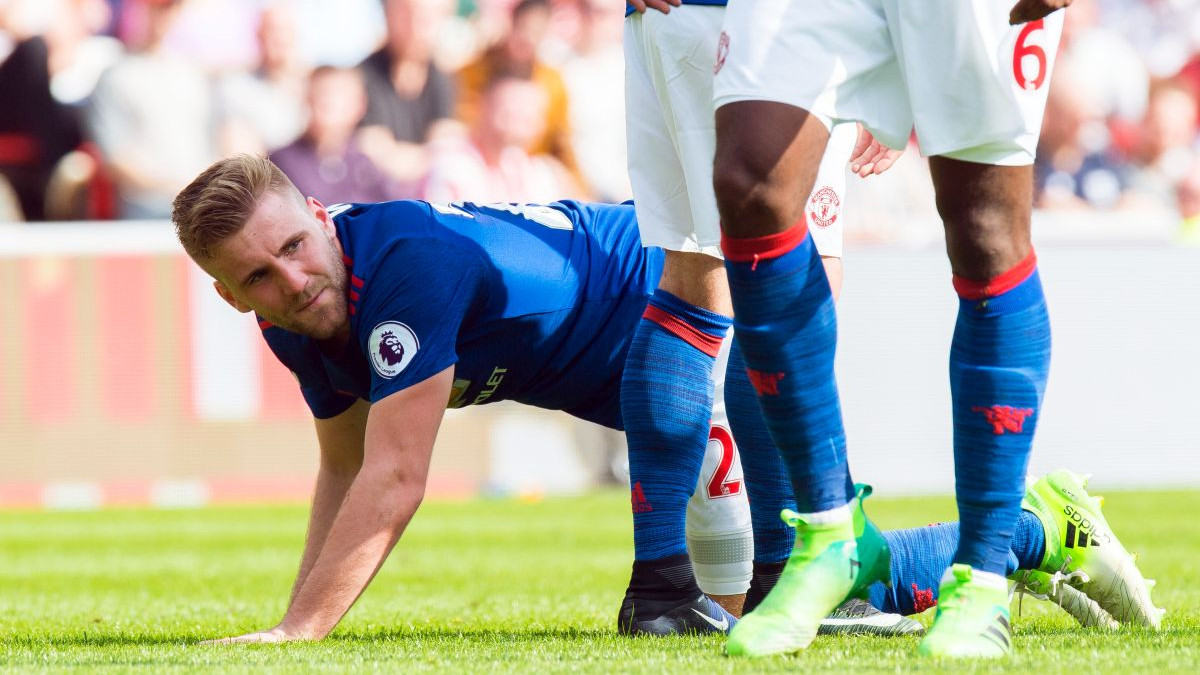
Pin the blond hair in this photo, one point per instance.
(218, 202)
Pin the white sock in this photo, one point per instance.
(839, 515)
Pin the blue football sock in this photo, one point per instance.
(786, 326)
(920, 556)
(666, 406)
(998, 364)
(767, 485)
(1029, 541)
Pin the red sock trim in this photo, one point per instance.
(708, 344)
(978, 290)
(753, 249)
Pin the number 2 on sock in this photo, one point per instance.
(719, 484)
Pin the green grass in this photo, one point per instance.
(481, 586)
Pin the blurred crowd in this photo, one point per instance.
(110, 106)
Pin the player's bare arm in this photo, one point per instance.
(663, 6)
(870, 157)
(382, 500)
(1032, 10)
(341, 441)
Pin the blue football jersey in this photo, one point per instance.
(529, 303)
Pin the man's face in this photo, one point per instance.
(515, 112)
(527, 33)
(337, 102)
(286, 265)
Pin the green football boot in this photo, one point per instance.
(972, 616)
(829, 563)
(1050, 587)
(1081, 549)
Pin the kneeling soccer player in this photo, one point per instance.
(389, 313)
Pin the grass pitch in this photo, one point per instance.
(497, 586)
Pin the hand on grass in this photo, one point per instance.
(274, 635)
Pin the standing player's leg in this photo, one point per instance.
(766, 480)
(981, 166)
(666, 404)
(666, 392)
(766, 475)
(999, 360)
(719, 516)
(786, 330)
(784, 71)
(1000, 354)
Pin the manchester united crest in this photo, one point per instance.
(824, 207)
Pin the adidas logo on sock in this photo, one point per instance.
(637, 499)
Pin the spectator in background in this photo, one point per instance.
(216, 35)
(341, 33)
(10, 207)
(409, 99)
(52, 66)
(264, 109)
(1188, 202)
(79, 51)
(38, 131)
(152, 118)
(492, 165)
(1163, 156)
(595, 78)
(1075, 165)
(326, 162)
(1163, 32)
(1104, 63)
(516, 55)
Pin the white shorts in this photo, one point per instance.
(719, 534)
(974, 87)
(669, 130)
